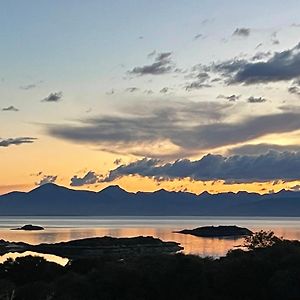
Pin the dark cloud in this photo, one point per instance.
(162, 65)
(191, 126)
(256, 99)
(223, 134)
(10, 108)
(53, 97)
(258, 149)
(281, 66)
(232, 98)
(16, 141)
(141, 125)
(89, 178)
(266, 167)
(242, 32)
(46, 179)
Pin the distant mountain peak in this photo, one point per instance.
(283, 191)
(113, 189)
(204, 194)
(48, 187)
(161, 191)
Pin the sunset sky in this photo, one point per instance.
(182, 95)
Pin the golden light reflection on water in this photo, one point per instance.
(49, 257)
(66, 229)
(191, 244)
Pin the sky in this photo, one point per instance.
(182, 95)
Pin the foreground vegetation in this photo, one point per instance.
(269, 268)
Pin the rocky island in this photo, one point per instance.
(98, 246)
(218, 231)
(29, 227)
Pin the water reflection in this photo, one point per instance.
(65, 229)
(53, 258)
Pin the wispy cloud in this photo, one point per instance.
(111, 92)
(132, 89)
(241, 32)
(189, 126)
(258, 149)
(16, 141)
(232, 97)
(10, 108)
(28, 86)
(201, 80)
(198, 36)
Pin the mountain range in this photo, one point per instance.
(51, 199)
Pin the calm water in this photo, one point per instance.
(59, 229)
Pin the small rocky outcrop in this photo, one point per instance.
(218, 231)
(29, 227)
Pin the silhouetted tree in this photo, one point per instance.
(261, 239)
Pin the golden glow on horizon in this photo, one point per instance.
(137, 183)
(64, 160)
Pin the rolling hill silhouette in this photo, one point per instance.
(51, 199)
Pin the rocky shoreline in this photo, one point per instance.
(98, 246)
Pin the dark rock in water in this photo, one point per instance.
(99, 246)
(218, 231)
(29, 227)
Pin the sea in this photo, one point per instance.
(58, 229)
